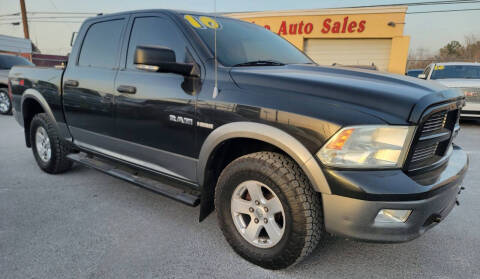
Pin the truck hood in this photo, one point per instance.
(459, 82)
(387, 96)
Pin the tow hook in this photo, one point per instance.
(459, 192)
(437, 218)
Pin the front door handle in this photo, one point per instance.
(127, 89)
(71, 83)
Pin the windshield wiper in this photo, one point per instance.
(260, 63)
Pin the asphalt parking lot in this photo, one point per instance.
(84, 224)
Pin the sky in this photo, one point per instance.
(428, 31)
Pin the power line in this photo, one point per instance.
(55, 19)
(11, 23)
(52, 21)
(50, 13)
(88, 14)
(445, 11)
(444, 2)
(30, 18)
(48, 17)
(61, 21)
(412, 4)
(13, 14)
(65, 13)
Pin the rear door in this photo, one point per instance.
(88, 88)
(155, 126)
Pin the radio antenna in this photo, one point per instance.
(215, 88)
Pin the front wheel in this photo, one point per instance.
(267, 210)
(49, 149)
(5, 102)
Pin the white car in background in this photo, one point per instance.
(461, 75)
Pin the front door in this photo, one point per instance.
(88, 89)
(155, 121)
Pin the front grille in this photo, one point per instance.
(435, 122)
(433, 137)
(424, 153)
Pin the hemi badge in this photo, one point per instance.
(205, 125)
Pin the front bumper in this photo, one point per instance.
(431, 197)
(470, 110)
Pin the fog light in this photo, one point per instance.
(392, 216)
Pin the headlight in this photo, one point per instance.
(367, 147)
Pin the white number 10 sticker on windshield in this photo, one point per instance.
(202, 22)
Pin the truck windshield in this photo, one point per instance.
(456, 71)
(241, 43)
(8, 61)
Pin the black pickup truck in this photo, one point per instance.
(283, 149)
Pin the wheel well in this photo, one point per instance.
(223, 155)
(3, 85)
(30, 108)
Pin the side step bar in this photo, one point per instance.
(146, 182)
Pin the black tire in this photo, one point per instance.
(4, 93)
(302, 205)
(58, 161)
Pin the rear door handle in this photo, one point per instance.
(127, 89)
(71, 83)
(107, 99)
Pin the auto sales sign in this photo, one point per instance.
(328, 26)
(297, 27)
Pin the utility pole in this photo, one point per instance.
(24, 19)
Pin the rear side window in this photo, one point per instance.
(101, 44)
(155, 31)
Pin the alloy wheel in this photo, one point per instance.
(4, 102)
(258, 214)
(43, 145)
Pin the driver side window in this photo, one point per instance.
(155, 31)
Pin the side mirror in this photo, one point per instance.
(422, 76)
(160, 59)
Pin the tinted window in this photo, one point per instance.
(155, 31)
(8, 61)
(414, 73)
(456, 71)
(101, 44)
(240, 42)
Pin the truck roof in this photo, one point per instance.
(458, 63)
(176, 12)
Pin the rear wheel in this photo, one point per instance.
(48, 148)
(267, 210)
(5, 102)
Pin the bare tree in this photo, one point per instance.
(453, 51)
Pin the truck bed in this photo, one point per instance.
(47, 81)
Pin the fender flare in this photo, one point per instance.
(34, 94)
(282, 140)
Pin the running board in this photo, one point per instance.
(133, 177)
